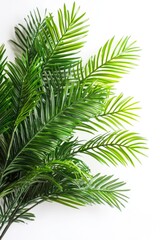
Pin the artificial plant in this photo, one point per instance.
(46, 95)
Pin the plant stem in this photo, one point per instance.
(13, 218)
(5, 229)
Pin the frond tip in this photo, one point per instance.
(56, 42)
(110, 63)
(99, 189)
(116, 147)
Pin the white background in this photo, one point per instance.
(140, 220)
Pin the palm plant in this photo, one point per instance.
(48, 94)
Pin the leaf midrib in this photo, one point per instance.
(123, 110)
(101, 145)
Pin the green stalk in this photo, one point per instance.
(13, 218)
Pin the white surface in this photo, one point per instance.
(140, 219)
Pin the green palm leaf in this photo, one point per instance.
(25, 35)
(63, 40)
(54, 120)
(26, 79)
(5, 94)
(118, 110)
(110, 63)
(55, 42)
(99, 189)
(116, 147)
(20, 94)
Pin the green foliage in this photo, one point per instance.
(111, 61)
(56, 43)
(118, 146)
(48, 94)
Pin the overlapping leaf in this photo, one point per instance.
(54, 120)
(56, 42)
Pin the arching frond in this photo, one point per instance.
(60, 42)
(26, 80)
(118, 111)
(55, 119)
(55, 42)
(110, 63)
(116, 147)
(26, 34)
(99, 189)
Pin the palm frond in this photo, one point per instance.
(118, 111)
(116, 147)
(55, 42)
(26, 80)
(99, 189)
(59, 42)
(49, 177)
(111, 62)
(5, 94)
(26, 34)
(54, 120)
